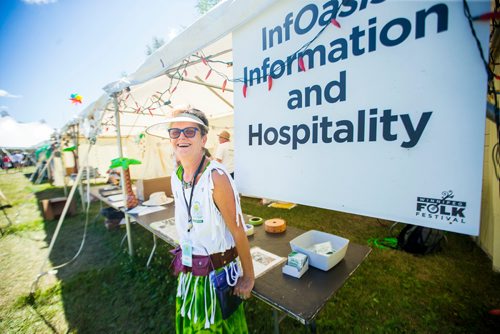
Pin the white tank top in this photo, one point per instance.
(209, 233)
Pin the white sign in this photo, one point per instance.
(387, 120)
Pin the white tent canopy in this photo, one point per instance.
(150, 103)
(184, 84)
(18, 135)
(214, 25)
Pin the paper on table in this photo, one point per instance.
(166, 227)
(137, 210)
(115, 198)
(141, 210)
(119, 204)
(264, 261)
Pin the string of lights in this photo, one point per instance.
(180, 72)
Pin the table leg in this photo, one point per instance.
(276, 321)
(123, 239)
(392, 227)
(129, 236)
(312, 326)
(152, 251)
(94, 221)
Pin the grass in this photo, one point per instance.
(106, 291)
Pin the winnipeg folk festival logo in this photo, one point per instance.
(445, 208)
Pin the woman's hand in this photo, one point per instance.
(224, 199)
(244, 286)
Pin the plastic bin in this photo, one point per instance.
(303, 242)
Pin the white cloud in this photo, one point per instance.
(4, 93)
(38, 2)
(2, 108)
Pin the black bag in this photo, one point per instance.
(420, 240)
(228, 302)
(112, 213)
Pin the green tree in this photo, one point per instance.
(156, 43)
(205, 5)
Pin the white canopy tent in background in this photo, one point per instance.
(16, 135)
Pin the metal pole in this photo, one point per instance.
(276, 321)
(40, 176)
(80, 187)
(122, 179)
(63, 166)
(38, 166)
(170, 76)
(215, 93)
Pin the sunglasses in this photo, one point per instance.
(189, 132)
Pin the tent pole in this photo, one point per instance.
(40, 176)
(122, 179)
(75, 134)
(200, 83)
(63, 166)
(38, 166)
(214, 92)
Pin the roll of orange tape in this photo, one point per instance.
(275, 225)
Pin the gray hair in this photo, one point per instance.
(197, 113)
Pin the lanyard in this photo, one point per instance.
(190, 219)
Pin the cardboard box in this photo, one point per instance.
(297, 260)
(146, 187)
(53, 207)
(293, 271)
(70, 170)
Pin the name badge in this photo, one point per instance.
(187, 254)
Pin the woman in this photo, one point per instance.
(210, 225)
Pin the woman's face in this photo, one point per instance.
(185, 147)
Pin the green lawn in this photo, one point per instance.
(104, 291)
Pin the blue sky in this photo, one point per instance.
(50, 49)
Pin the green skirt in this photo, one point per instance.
(198, 312)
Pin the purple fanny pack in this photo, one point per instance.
(202, 264)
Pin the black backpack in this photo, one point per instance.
(420, 240)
